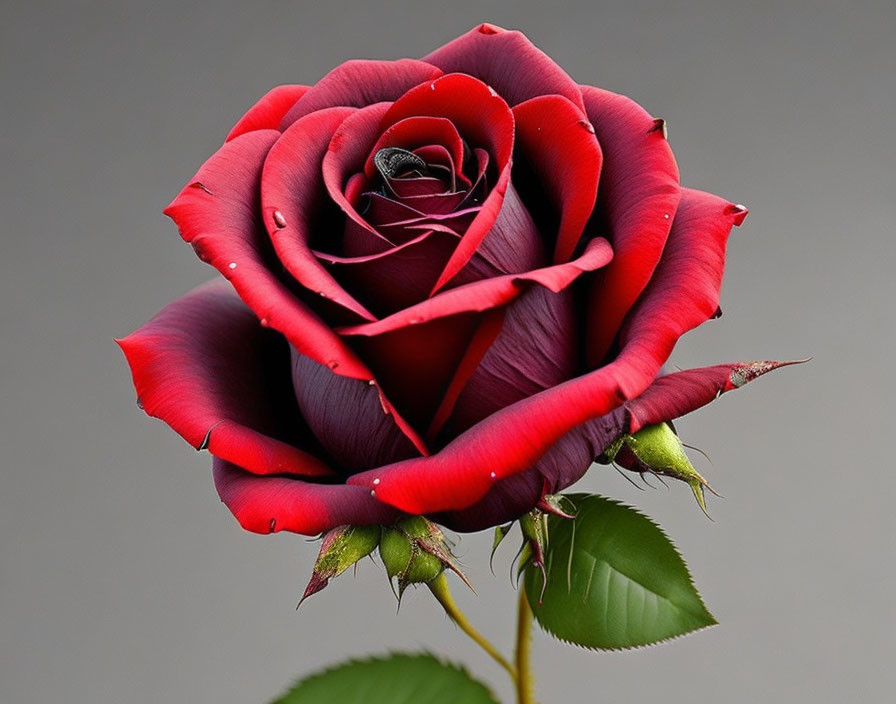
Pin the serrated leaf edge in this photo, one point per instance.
(687, 572)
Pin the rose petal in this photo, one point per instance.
(206, 367)
(538, 348)
(272, 504)
(218, 213)
(293, 200)
(508, 62)
(559, 145)
(347, 417)
(677, 394)
(268, 111)
(359, 83)
(637, 200)
(397, 278)
(684, 290)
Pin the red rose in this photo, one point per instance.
(454, 282)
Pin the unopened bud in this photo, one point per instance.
(414, 551)
(656, 449)
(340, 548)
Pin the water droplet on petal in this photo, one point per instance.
(493, 475)
(666, 216)
(279, 220)
(371, 383)
(373, 493)
(264, 322)
(376, 481)
(432, 86)
(232, 265)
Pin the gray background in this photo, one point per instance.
(122, 577)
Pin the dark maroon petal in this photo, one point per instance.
(513, 245)
(267, 112)
(218, 214)
(637, 200)
(359, 83)
(559, 144)
(508, 62)
(293, 200)
(538, 348)
(347, 417)
(272, 504)
(206, 367)
(396, 278)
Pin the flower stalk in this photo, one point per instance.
(525, 681)
(440, 590)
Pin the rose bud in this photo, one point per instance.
(340, 548)
(657, 449)
(415, 551)
(448, 284)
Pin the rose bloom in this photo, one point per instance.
(450, 284)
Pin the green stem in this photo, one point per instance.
(440, 590)
(525, 682)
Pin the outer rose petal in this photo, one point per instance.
(362, 82)
(208, 369)
(676, 394)
(268, 111)
(683, 293)
(217, 213)
(508, 62)
(560, 467)
(638, 197)
(271, 504)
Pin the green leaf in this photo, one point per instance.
(614, 580)
(395, 679)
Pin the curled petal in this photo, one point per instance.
(272, 504)
(218, 214)
(508, 62)
(489, 293)
(268, 111)
(559, 145)
(208, 369)
(361, 82)
(684, 290)
(680, 393)
(293, 200)
(637, 201)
